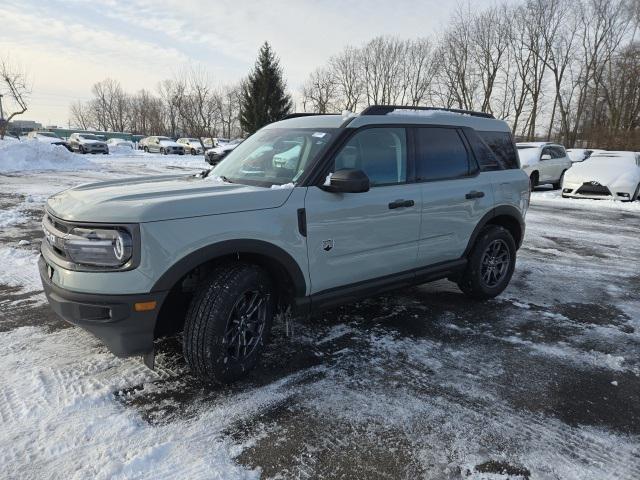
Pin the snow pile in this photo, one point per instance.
(124, 151)
(33, 155)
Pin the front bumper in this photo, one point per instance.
(595, 191)
(111, 318)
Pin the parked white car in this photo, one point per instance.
(191, 145)
(613, 175)
(163, 145)
(119, 142)
(87, 143)
(544, 162)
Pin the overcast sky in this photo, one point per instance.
(68, 45)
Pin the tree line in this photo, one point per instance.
(190, 104)
(563, 70)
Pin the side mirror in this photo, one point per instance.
(348, 180)
(546, 156)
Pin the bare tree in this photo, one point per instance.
(14, 92)
(81, 116)
(319, 93)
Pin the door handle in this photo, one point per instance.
(473, 194)
(401, 204)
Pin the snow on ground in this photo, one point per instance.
(542, 382)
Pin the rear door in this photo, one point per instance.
(455, 194)
(353, 237)
(548, 167)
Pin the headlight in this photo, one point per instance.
(99, 247)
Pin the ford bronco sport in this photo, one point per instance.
(355, 205)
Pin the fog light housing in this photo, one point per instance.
(567, 190)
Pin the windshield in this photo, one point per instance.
(47, 134)
(87, 136)
(529, 154)
(273, 156)
(164, 139)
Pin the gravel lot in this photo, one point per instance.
(543, 382)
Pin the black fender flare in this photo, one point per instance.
(500, 211)
(229, 247)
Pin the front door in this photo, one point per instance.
(353, 237)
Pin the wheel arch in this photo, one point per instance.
(506, 216)
(181, 279)
(269, 255)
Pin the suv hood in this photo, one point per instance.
(151, 199)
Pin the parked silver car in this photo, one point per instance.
(163, 145)
(191, 145)
(87, 143)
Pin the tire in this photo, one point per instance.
(145, 149)
(476, 282)
(163, 151)
(209, 339)
(558, 184)
(193, 151)
(636, 195)
(81, 149)
(533, 181)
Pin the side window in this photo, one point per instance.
(501, 144)
(560, 152)
(381, 153)
(547, 151)
(440, 154)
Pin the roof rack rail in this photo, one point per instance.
(384, 109)
(305, 114)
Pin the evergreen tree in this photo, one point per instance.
(264, 99)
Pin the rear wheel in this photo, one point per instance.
(163, 151)
(490, 264)
(533, 180)
(558, 184)
(228, 322)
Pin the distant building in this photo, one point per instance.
(22, 127)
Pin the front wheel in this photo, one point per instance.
(163, 151)
(145, 149)
(533, 181)
(193, 151)
(490, 264)
(228, 322)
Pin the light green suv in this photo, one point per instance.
(361, 204)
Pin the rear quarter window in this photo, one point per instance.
(505, 156)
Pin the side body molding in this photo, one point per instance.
(229, 247)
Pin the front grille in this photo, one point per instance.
(589, 188)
